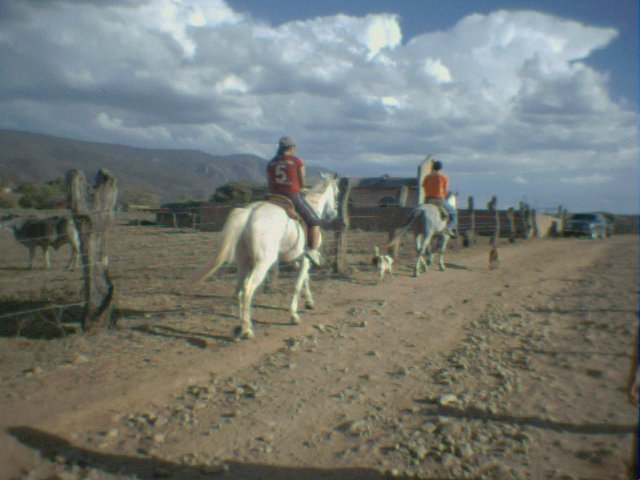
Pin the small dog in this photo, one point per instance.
(494, 261)
(383, 264)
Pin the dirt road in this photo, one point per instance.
(468, 373)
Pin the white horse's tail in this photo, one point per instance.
(399, 235)
(227, 252)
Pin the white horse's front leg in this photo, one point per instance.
(441, 252)
(303, 272)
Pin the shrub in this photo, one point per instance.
(233, 192)
(51, 194)
(138, 196)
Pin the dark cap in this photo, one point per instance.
(437, 165)
(286, 142)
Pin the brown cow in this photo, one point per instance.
(49, 232)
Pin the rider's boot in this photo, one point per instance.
(453, 233)
(312, 252)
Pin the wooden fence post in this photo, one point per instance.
(470, 236)
(512, 224)
(534, 223)
(93, 209)
(341, 265)
(493, 206)
(402, 195)
(525, 216)
(401, 201)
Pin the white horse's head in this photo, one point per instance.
(452, 199)
(331, 210)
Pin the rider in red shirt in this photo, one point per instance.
(436, 187)
(285, 173)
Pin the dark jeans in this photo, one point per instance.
(303, 209)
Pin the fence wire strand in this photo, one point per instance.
(202, 246)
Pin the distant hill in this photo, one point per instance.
(170, 174)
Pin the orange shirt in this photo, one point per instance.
(435, 185)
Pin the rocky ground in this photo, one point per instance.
(516, 373)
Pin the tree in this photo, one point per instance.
(233, 192)
(51, 194)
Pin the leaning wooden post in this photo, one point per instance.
(401, 201)
(493, 206)
(512, 224)
(424, 169)
(93, 209)
(341, 265)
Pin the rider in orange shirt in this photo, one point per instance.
(435, 187)
(285, 173)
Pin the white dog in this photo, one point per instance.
(383, 264)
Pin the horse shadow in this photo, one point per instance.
(55, 449)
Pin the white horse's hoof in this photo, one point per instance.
(244, 335)
(295, 319)
(310, 305)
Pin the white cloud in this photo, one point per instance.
(437, 70)
(231, 84)
(587, 179)
(520, 180)
(505, 95)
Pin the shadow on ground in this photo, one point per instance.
(474, 413)
(55, 449)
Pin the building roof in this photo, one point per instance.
(385, 181)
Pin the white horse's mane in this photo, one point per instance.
(318, 189)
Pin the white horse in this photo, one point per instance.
(426, 223)
(259, 235)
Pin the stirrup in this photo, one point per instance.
(452, 233)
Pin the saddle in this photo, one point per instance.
(438, 202)
(288, 206)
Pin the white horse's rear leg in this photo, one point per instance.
(424, 246)
(244, 266)
(251, 283)
(301, 280)
(443, 244)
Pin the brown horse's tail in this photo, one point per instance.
(231, 233)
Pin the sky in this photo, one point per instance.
(533, 101)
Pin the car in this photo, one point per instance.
(592, 225)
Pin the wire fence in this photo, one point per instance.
(139, 249)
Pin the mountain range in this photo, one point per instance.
(169, 174)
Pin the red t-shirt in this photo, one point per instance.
(282, 173)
